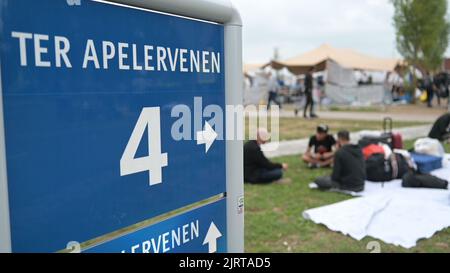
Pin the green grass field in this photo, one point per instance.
(274, 222)
(298, 128)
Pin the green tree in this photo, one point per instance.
(422, 33)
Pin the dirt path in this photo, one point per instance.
(417, 113)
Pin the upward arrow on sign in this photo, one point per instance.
(211, 238)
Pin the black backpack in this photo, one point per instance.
(379, 169)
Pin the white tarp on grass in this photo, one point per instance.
(392, 214)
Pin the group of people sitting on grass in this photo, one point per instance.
(323, 151)
(346, 159)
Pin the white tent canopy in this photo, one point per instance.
(347, 58)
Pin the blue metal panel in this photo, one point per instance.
(185, 233)
(66, 128)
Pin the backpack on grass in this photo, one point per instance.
(379, 169)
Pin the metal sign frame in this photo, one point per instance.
(218, 11)
(5, 232)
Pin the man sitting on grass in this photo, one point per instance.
(257, 168)
(320, 149)
(349, 171)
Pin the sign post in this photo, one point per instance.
(5, 233)
(105, 125)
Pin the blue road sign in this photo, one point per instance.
(199, 230)
(88, 93)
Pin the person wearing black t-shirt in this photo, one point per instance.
(320, 151)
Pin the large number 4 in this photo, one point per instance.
(155, 161)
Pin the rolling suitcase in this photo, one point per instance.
(394, 140)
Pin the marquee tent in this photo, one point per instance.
(347, 58)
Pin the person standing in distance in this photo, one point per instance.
(309, 95)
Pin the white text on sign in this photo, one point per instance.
(102, 54)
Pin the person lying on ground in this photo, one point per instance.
(257, 168)
(441, 128)
(349, 167)
(320, 152)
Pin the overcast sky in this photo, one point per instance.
(295, 26)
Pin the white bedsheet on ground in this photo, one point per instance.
(392, 214)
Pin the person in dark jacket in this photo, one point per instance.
(273, 86)
(441, 128)
(349, 172)
(429, 87)
(309, 95)
(257, 168)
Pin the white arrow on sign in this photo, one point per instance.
(211, 238)
(207, 137)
